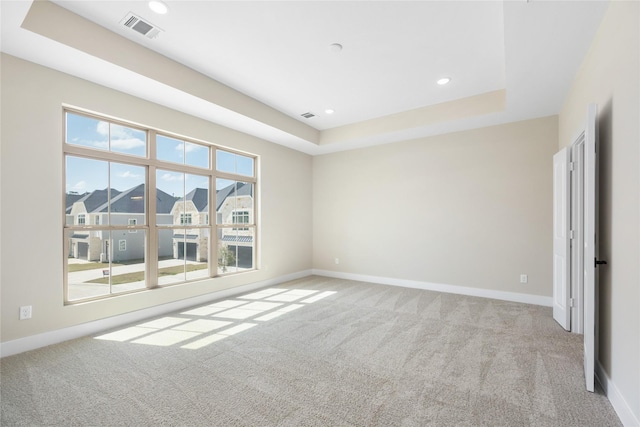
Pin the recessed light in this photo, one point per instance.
(328, 111)
(158, 7)
(444, 81)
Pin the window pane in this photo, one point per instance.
(234, 163)
(101, 262)
(128, 140)
(169, 149)
(182, 152)
(197, 199)
(197, 253)
(196, 155)
(169, 197)
(171, 256)
(87, 132)
(88, 266)
(128, 198)
(235, 250)
(183, 255)
(244, 165)
(233, 197)
(128, 260)
(86, 185)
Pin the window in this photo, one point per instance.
(240, 217)
(185, 218)
(139, 234)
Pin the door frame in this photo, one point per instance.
(577, 241)
(582, 204)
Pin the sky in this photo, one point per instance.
(85, 175)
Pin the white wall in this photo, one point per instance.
(32, 198)
(468, 209)
(609, 76)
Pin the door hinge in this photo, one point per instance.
(572, 234)
(572, 302)
(572, 166)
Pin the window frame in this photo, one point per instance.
(150, 226)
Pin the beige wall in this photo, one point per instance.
(468, 209)
(31, 169)
(609, 76)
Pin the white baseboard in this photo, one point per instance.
(618, 402)
(53, 337)
(452, 289)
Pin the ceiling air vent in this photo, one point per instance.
(308, 115)
(143, 27)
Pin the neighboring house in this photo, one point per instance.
(127, 208)
(193, 209)
(234, 204)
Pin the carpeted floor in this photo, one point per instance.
(314, 352)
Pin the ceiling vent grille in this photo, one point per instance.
(141, 26)
(308, 115)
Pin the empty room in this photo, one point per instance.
(320, 213)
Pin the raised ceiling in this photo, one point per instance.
(257, 66)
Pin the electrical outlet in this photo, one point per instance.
(524, 278)
(25, 312)
(337, 260)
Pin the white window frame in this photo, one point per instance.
(149, 225)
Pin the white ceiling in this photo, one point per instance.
(381, 85)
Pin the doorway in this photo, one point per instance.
(575, 240)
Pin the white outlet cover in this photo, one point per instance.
(25, 312)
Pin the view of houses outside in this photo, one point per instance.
(106, 229)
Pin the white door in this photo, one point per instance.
(561, 244)
(590, 244)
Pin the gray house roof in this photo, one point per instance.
(71, 199)
(91, 200)
(199, 197)
(242, 189)
(129, 201)
(132, 200)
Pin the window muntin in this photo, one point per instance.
(107, 166)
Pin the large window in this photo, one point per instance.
(150, 196)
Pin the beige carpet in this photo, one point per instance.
(314, 352)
